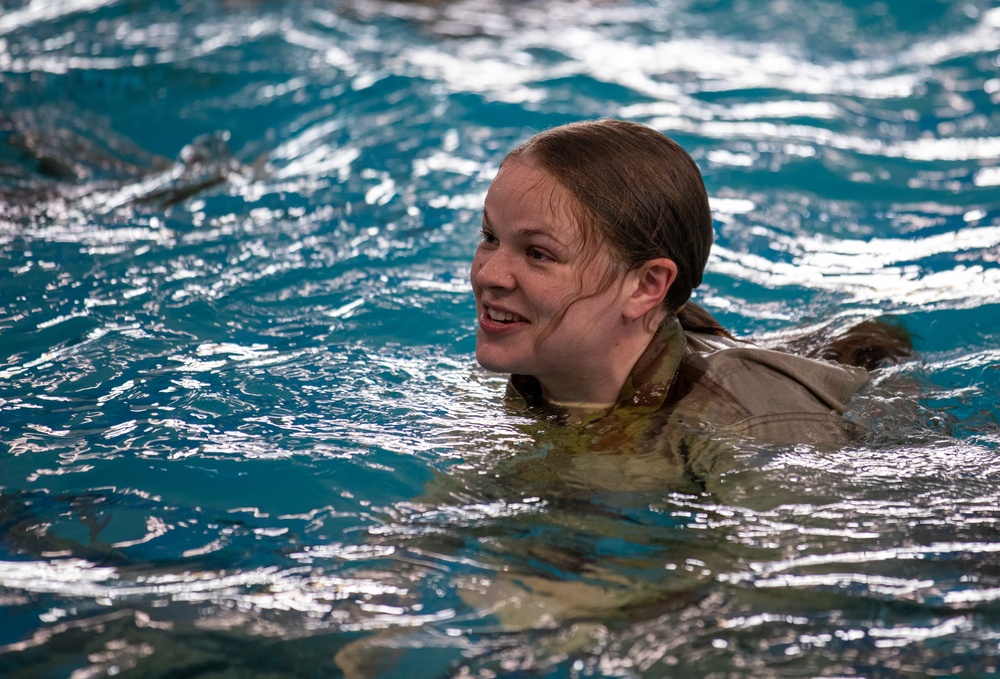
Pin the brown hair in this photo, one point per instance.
(640, 192)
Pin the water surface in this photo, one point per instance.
(243, 431)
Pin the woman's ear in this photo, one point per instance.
(650, 284)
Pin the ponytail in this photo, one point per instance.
(695, 319)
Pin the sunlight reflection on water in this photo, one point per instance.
(239, 397)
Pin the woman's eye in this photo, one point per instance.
(488, 237)
(538, 255)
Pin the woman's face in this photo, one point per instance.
(529, 268)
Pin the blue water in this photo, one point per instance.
(243, 431)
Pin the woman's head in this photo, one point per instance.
(590, 231)
(638, 192)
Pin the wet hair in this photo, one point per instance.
(640, 194)
(636, 189)
(870, 344)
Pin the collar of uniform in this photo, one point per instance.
(648, 383)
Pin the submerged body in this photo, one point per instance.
(711, 383)
(594, 236)
(691, 395)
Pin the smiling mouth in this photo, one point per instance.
(503, 316)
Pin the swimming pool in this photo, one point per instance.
(243, 431)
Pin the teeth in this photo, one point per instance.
(503, 316)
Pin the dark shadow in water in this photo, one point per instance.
(24, 533)
(52, 161)
(129, 643)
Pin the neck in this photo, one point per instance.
(600, 386)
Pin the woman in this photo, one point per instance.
(594, 235)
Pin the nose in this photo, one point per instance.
(491, 269)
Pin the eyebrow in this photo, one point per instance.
(526, 232)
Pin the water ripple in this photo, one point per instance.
(239, 398)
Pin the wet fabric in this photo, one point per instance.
(695, 383)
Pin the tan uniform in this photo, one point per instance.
(689, 386)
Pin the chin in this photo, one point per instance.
(489, 362)
(494, 361)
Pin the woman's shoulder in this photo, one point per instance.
(775, 393)
(868, 343)
(754, 381)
